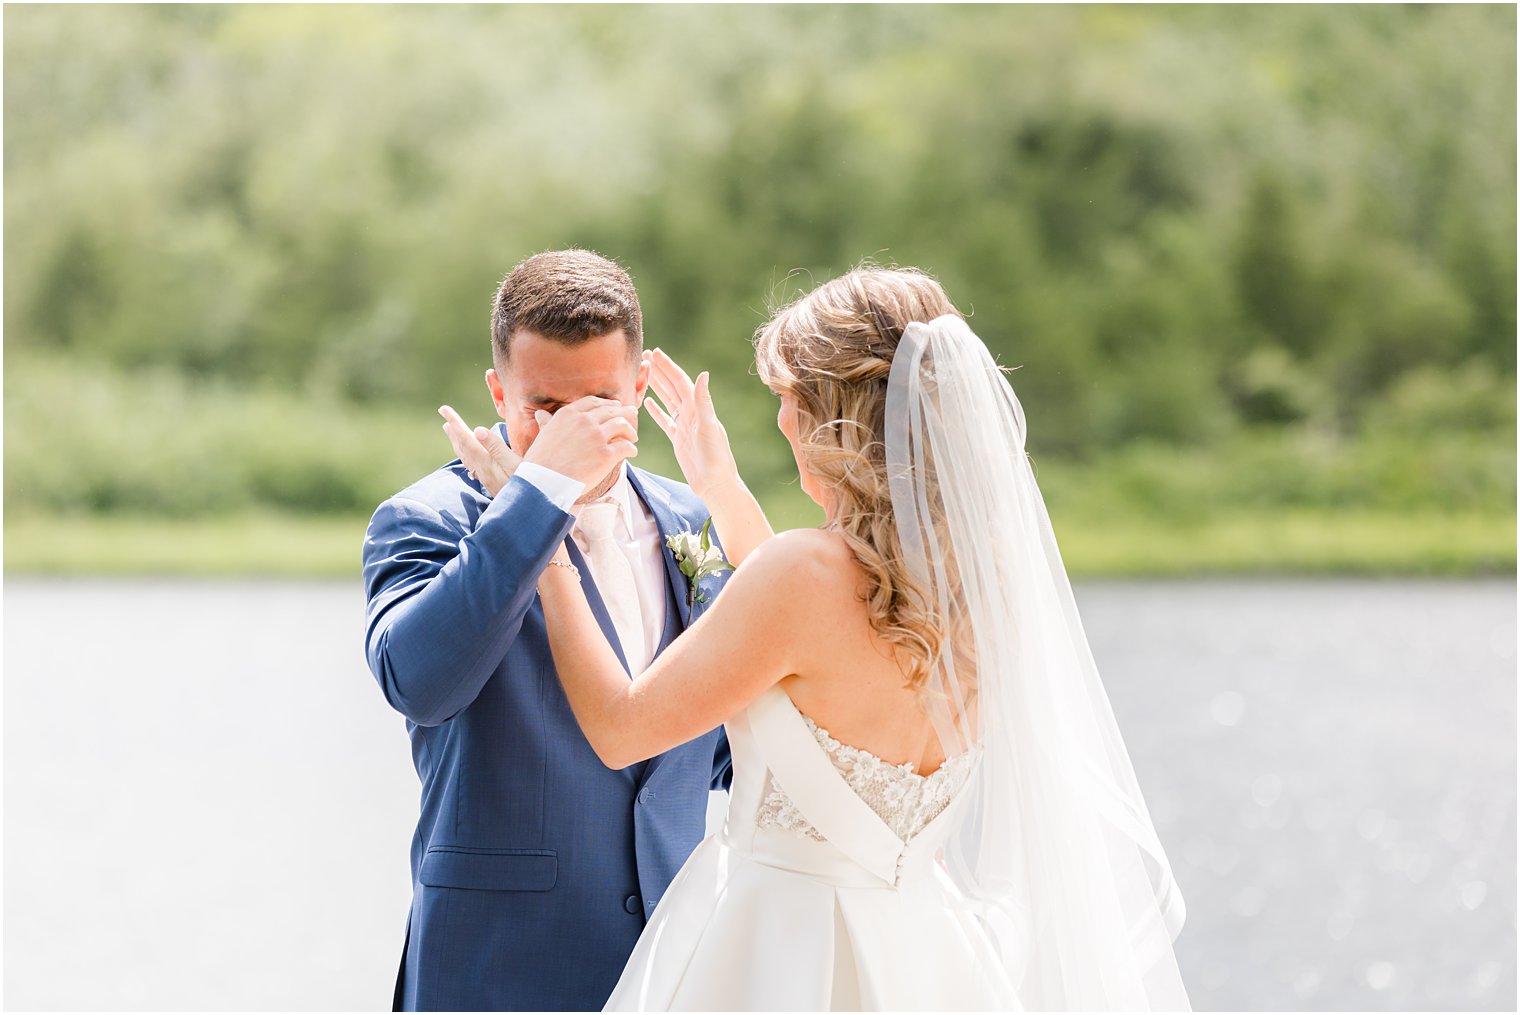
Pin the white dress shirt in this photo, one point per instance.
(641, 542)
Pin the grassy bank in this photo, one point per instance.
(1290, 541)
(277, 483)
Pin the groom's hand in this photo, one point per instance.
(586, 439)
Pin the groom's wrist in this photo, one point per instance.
(559, 489)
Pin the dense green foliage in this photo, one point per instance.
(250, 248)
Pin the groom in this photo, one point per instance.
(534, 867)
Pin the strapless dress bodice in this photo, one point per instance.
(904, 800)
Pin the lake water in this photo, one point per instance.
(208, 804)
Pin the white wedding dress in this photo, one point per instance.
(822, 892)
(1025, 872)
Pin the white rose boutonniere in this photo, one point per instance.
(697, 558)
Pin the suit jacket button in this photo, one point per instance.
(631, 904)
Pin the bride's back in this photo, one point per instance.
(851, 684)
(828, 356)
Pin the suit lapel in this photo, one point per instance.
(670, 522)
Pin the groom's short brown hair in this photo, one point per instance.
(568, 296)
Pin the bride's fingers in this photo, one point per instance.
(661, 417)
(668, 386)
(469, 450)
(662, 358)
(669, 414)
(465, 445)
(496, 449)
(452, 418)
(448, 432)
(661, 386)
(453, 428)
(671, 373)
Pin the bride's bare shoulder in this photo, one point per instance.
(805, 547)
(808, 563)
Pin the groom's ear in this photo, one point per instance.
(498, 395)
(641, 379)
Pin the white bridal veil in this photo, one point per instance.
(1058, 856)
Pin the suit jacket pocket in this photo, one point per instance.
(496, 870)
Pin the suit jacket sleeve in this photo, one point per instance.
(723, 763)
(445, 603)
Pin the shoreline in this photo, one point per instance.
(1300, 542)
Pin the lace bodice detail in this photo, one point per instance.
(905, 800)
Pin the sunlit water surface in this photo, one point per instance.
(208, 804)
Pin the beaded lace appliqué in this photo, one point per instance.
(905, 800)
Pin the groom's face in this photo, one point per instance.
(541, 373)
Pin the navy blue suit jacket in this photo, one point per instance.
(534, 867)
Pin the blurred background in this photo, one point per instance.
(1255, 267)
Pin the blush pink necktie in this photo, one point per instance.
(599, 531)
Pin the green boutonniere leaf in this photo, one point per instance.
(697, 559)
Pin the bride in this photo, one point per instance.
(932, 807)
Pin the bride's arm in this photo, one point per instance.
(740, 646)
(702, 449)
(737, 517)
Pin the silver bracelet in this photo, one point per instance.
(567, 565)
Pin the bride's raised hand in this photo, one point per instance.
(483, 452)
(689, 420)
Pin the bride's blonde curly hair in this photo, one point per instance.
(832, 351)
